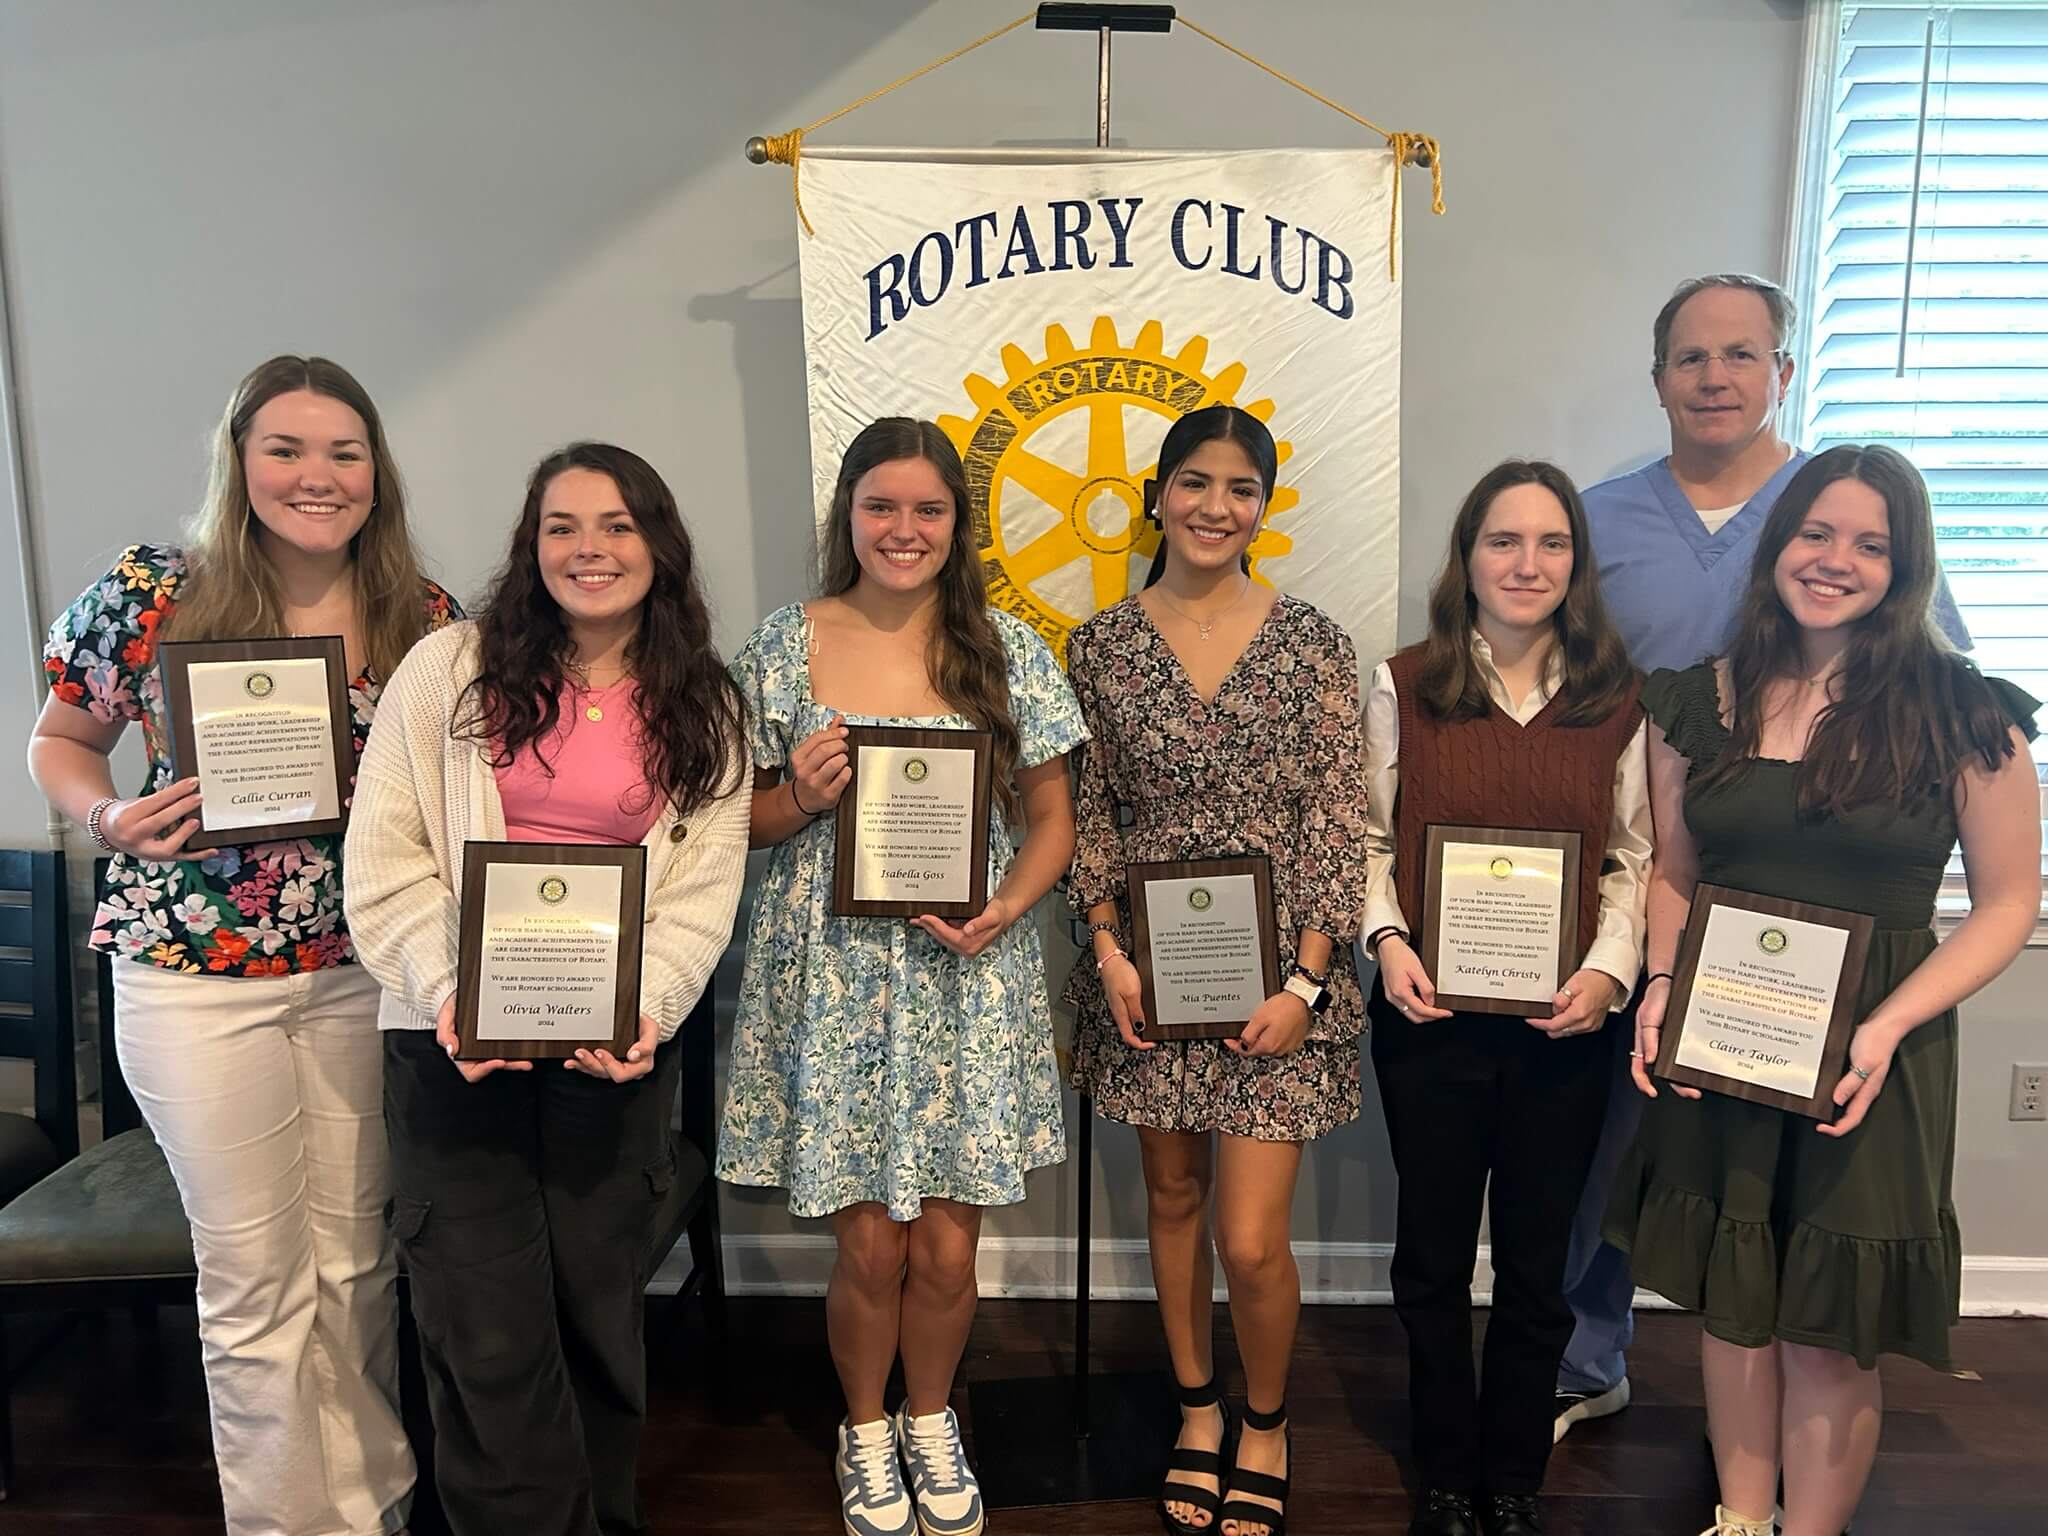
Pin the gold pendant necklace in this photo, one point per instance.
(591, 710)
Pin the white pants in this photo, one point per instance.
(266, 1094)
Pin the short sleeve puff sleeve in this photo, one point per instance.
(769, 670)
(1042, 704)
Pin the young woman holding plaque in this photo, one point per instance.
(1518, 711)
(586, 705)
(1225, 715)
(245, 1029)
(898, 1075)
(1834, 756)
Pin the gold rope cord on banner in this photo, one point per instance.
(1408, 148)
(787, 148)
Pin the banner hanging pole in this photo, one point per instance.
(1102, 92)
(1122, 1457)
(1107, 20)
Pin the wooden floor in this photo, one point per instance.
(110, 1425)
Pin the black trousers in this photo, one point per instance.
(524, 1210)
(1473, 1098)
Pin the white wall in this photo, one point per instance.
(521, 222)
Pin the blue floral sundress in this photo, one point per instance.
(869, 1062)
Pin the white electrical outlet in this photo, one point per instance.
(2029, 1093)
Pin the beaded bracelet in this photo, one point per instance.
(92, 822)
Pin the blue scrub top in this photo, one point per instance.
(1672, 588)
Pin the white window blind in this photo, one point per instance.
(1925, 276)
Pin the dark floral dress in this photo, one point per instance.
(1273, 765)
(262, 909)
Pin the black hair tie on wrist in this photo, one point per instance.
(797, 800)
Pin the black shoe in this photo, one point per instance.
(1205, 1463)
(1263, 1485)
(1511, 1514)
(1443, 1513)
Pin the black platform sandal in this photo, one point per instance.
(1264, 1484)
(1173, 1491)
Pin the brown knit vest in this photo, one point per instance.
(1491, 772)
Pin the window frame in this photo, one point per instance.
(1804, 263)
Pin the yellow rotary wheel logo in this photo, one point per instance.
(1057, 457)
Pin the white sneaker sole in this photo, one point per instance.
(1610, 1402)
(851, 1529)
(975, 1529)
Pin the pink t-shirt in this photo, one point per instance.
(598, 792)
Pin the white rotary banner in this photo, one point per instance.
(1056, 311)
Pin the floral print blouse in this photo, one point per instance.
(1272, 764)
(262, 909)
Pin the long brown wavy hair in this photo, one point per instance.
(230, 590)
(1906, 713)
(693, 716)
(965, 658)
(1597, 675)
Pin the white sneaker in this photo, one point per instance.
(1575, 1407)
(872, 1498)
(947, 1496)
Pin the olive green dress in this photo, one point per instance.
(1746, 1213)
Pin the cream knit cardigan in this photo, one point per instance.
(420, 793)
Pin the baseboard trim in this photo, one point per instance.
(1332, 1274)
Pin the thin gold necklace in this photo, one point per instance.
(1202, 627)
(591, 711)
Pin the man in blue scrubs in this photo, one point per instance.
(1674, 542)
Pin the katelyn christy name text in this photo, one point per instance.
(1505, 972)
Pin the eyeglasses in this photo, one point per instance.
(1739, 361)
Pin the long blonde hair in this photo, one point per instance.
(230, 591)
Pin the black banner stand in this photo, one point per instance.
(1080, 1439)
(1113, 1438)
